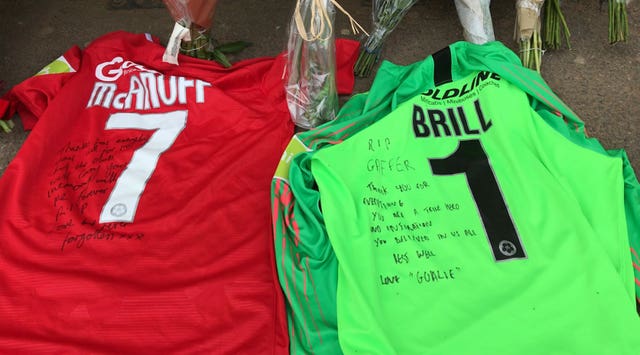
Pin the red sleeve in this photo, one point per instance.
(6, 109)
(31, 97)
(346, 56)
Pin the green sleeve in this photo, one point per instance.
(306, 264)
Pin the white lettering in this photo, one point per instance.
(170, 99)
(183, 84)
(102, 94)
(114, 74)
(135, 88)
(118, 101)
(149, 81)
(115, 71)
(147, 91)
(200, 85)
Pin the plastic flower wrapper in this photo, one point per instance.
(618, 22)
(475, 18)
(554, 25)
(133, 4)
(527, 32)
(310, 73)
(386, 16)
(191, 33)
(197, 12)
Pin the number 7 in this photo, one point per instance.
(123, 201)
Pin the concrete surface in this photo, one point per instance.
(599, 81)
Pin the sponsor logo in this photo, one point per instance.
(114, 69)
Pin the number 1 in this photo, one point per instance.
(470, 159)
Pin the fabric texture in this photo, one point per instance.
(345, 271)
(135, 217)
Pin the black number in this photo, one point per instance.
(470, 159)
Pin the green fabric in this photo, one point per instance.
(416, 274)
(60, 65)
(306, 262)
(306, 268)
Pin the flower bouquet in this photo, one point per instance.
(475, 18)
(312, 95)
(555, 25)
(192, 32)
(386, 16)
(618, 22)
(527, 32)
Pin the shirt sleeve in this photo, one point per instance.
(346, 56)
(307, 266)
(31, 97)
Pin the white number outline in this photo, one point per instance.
(123, 201)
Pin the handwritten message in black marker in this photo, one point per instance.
(81, 178)
(412, 224)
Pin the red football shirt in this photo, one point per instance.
(135, 218)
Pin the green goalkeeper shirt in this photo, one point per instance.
(467, 217)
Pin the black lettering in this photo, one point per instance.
(379, 242)
(453, 92)
(464, 89)
(470, 233)
(388, 280)
(420, 128)
(474, 83)
(425, 254)
(88, 222)
(407, 165)
(465, 124)
(371, 165)
(440, 120)
(401, 258)
(61, 212)
(379, 189)
(485, 125)
(74, 148)
(483, 75)
(433, 276)
(452, 206)
(435, 95)
(88, 174)
(395, 165)
(454, 122)
(66, 240)
(431, 209)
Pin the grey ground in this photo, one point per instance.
(600, 82)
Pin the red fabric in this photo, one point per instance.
(200, 12)
(346, 56)
(7, 109)
(31, 97)
(193, 272)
